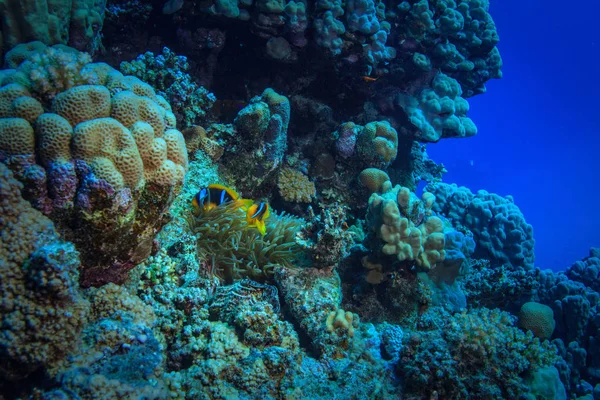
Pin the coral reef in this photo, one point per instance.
(167, 74)
(116, 285)
(43, 311)
(399, 219)
(498, 226)
(255, 152)
(475, 354)
(96, 151)
(77, 24)
(438, 112)
(325, 237)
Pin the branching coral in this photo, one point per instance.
(238, 251)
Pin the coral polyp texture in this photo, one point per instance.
(96, 151)
(500, 229)
(291, 239)
(42, 310)
(400, 220)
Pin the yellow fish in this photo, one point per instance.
(213, 196)
(256, 215)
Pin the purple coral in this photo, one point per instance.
(346, 139)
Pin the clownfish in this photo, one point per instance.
(256, 215)
(213, 196)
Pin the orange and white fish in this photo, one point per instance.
(213, 196)
(256, 215)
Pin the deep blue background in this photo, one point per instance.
(539, 126)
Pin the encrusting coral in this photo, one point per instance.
(97, 151)
(42, 311)
(476, 353)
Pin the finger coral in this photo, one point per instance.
(399, 218)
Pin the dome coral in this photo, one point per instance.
(90, 145)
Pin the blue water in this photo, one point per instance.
(539, 126)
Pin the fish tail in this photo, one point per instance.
(262, 228)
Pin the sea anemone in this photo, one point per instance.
(239, 251)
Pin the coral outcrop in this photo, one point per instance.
(401, 221)
(78, 24)
(42, 310)
(499, 228)
(97, 152)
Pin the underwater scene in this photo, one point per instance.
(233, 199)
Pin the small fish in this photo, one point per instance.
(213, 196)
(256, 215)
(369, 79)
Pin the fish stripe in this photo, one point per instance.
(222, 200)
(260, 211)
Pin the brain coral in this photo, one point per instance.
(90, 146)
(499, 228)
(537, 318)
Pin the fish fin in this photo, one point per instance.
(244, 204)
(232, 193)
(262, 228)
